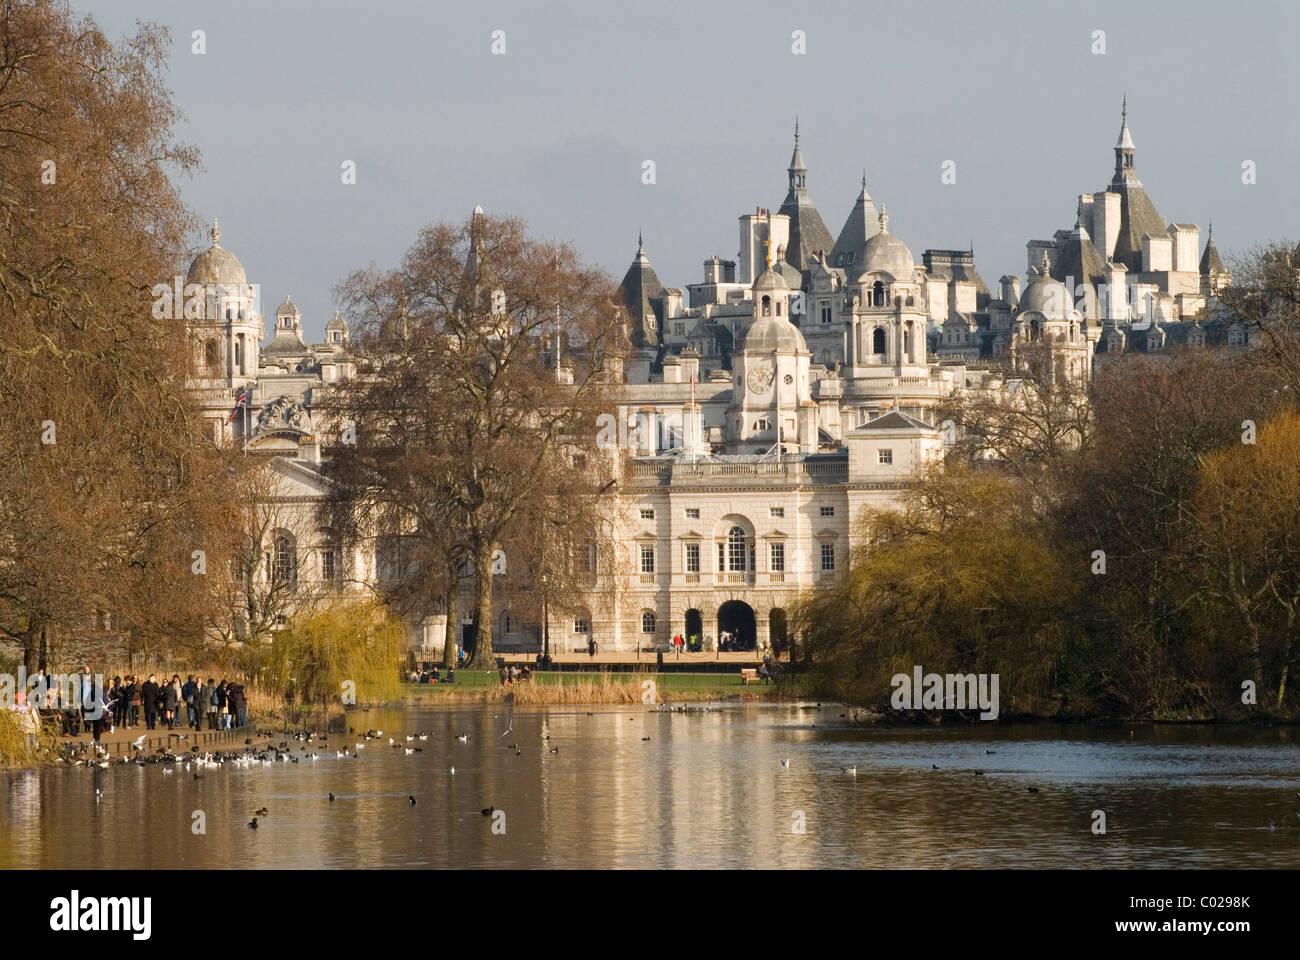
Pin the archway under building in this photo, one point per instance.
(779, 630)
(694, 626)
(736, 619)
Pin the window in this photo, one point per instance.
(647, 559)
(778, 557)
(763, 424)
(647, 622)
(737, 555)
(826, 311)
(692, 513)
(210, 354)
(282, 567)
(828, 556)
(826, 511)
(878, 342)
(722, 556)
(647, 513)
(329, 564)
(587, 557)
(581, 625)
(692, 558)
(679, 329)
(776, 512)
(885, 455)
(507, 628)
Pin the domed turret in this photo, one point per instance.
(216, 264)
(1049, 297)
(887, 254)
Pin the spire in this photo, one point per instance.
(215, 232)
(1124, 148)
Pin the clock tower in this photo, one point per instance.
(770, 391)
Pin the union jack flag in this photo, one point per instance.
(241, 400)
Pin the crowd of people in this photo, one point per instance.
(221, 703)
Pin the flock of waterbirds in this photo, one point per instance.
(310, 746)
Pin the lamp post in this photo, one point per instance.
(546, 627)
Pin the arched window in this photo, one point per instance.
(737, 553)
(878, 294)
(283, 566)
(767, 306)
(878, 341)
(778, 308)
(648, 622)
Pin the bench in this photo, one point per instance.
(748, 673)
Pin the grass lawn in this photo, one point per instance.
(724, 683)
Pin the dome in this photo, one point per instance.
(772, 334)
(336, 322)
(216, 264)
(288, 309)
(885, 253)
(1047, 296)
(771, 279)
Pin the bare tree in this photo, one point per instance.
(475, 417)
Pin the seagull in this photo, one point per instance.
(138, 742)
(851, 771)
(452, 771)
(340, 754)
(555, 749)
(98, 794)
(168, 770)
(463, 737)
(410, 801)
(408, 751)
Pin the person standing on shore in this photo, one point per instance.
(133, 701)
(223, 705)
(171, 697)
(210, 706)
(239, 707)
(150, 695)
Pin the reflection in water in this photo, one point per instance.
(705, 790)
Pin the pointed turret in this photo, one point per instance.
(862, 224)
(808, 233)
(643, 295)
(1211, 262)
(1138, 215)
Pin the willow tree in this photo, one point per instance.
(468, 439)
(103, 465)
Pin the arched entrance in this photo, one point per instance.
(778, 628)
(736, 618)
(694, 626)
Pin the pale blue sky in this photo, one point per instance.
(556, 130)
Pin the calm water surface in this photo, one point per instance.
(706, 790)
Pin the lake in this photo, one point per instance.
(706, 789)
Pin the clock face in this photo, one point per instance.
(760, 379)
(788, 379)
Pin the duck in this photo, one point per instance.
(452, 771)
(263, 812)
(331, 796)
(252, 824)
(785, 762)
(851, 771)
(488, 811)
(1033, 789)
(555, 749)
(410, 801)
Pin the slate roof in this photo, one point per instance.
(862, 224)
(642, 294)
